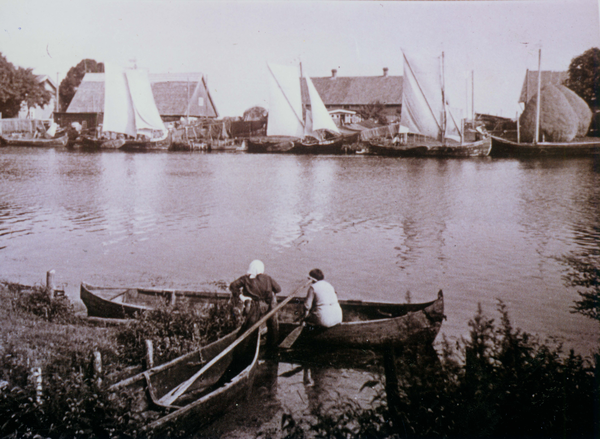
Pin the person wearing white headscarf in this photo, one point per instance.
(257, 291)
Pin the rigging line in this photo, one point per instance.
(421, 90)
(285, 96)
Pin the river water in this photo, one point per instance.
(380, 228)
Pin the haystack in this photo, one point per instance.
(558, 120)
(581, 109)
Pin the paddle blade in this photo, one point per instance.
(289, 341)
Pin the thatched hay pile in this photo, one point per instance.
(558, 120)
(581, 109)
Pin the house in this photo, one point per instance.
(353, 93)
(176, 95)
(530, 84)
(46, 112)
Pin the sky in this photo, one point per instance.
(231, 42)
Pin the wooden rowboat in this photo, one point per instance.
(365, 325)
(207, 398)
(369, 325)
(60, 141)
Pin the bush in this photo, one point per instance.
(500, 382)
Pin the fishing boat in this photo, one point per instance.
(369, 325)
(208, 394)
(55, 142)
(291, 128)
(580, 146)
(366, 324)
(130, 110)
(429, 127)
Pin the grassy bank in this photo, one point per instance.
(42, 334)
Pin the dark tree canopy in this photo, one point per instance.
(255, 113)
(75, 75)
(373, 111)
(584, 76)
(19, 84)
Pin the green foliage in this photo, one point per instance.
(18, 84)
(175, 331)
(584, 76)
(584, 273)
(68, 86)
(500, 382)
(373, 111)
(41, 304)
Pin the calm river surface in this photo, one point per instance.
(479, 229)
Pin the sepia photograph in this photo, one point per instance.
(299, 219)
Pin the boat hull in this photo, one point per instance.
(270, 144)
(504, 147)
(432, 148)
(366, 324)
(206, 399)
(50, 143)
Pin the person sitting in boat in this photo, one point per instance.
(321, 305)
(256, 291)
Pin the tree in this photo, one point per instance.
(18, 84)
(584, 273)
(255, 113)
(69, 85)
(373, 111)
(584, 76)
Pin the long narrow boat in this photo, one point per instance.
(366, 324)
(587, 146)
(60, 141)
(207, 398)
(416, 145)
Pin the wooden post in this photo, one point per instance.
(36, 373)
(391, 386)
(98, 368)
(149, 354)
(518, 129)
(50, 283)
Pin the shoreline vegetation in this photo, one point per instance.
(56, 367)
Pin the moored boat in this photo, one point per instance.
(366, 324)
(216, 390)
(579, 147)
(54, 142)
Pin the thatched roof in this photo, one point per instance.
(357, 90)
(530, 83)
(172, 93)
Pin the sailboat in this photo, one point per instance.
(582, 146)
(130, 110)
(428, 126)
(291, 128)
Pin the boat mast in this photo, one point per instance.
(443, 101)
(473, 98)
(539, 98)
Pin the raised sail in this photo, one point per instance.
(285, 102)
(119, 115)
(147, 118)
(320, 117)
(422, 105)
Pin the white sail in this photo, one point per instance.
(321, 119)
(147, 118)
(422, 106)
(119, 116)
(285, 102)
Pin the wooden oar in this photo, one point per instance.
(292, 337)
(175, 393)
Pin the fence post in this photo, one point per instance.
(98, 368)
(36, 373)
(50, 283)
(149, 354)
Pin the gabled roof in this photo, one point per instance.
(42, 78)
(173, 92)
(531, 82)
(357, 90)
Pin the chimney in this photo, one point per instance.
(385, 72)
(333, 73)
